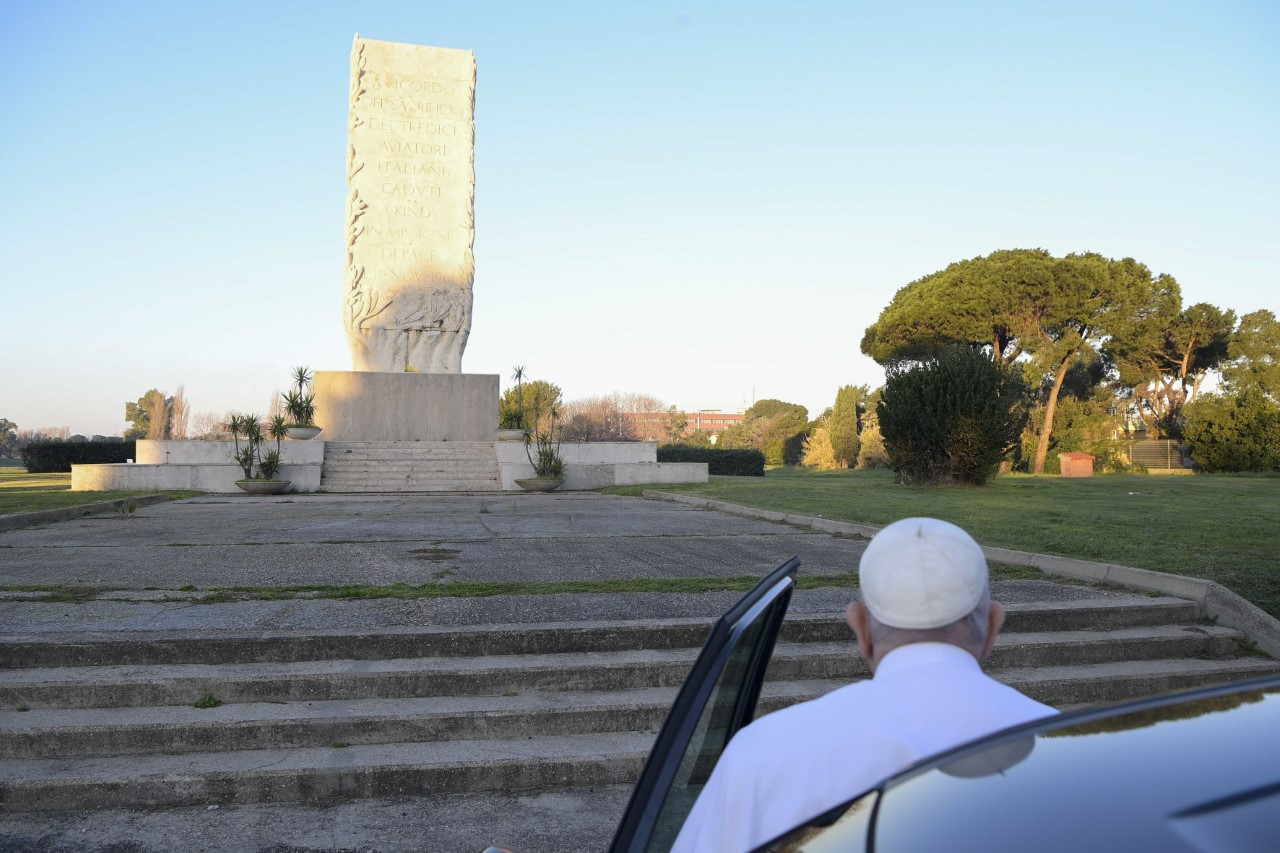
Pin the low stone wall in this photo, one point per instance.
(177, 476)
(197, 466)
(597, 464)
(222, 452)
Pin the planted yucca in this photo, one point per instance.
(300, 404)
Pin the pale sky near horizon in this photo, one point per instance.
(706, 202)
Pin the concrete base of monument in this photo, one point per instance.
(201, 466)
(384, 466)
(366, 406)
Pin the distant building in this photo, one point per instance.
(656, 426)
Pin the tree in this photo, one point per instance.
(844, 424)
(952, 417)
(1239, 432)
(158, 415)
(819, 452)
(140, 415)
(8, 438)
(528, 397)
(1021, 305)
(677, 423)
(1254, 353)
(1166, 356)
(180, 414)
(208, 425)
(871, 453)
(772, 426)
(696, 438)
(596, 419)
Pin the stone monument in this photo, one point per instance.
(407, 418)
(410, 207)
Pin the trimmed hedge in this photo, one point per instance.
(735, 463)
(57, 457)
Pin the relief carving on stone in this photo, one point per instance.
(409, 270)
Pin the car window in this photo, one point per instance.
(717, 699)
(716, 725)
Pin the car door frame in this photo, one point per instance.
(650, 793)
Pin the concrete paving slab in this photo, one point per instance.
(408, 539)
(570, 820)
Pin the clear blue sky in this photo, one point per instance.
(700, 201)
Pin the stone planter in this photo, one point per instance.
(510, 435)
(263, 487)
(540, 484)
(302, 433)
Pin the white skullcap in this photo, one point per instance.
(922, 573)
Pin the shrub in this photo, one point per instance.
(1234, 433)
(818, 451)
(952, 417)
(735, 463)
(49, 457)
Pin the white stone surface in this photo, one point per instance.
(596, 464)
(410, 208)
(187, 477)
(366, 406)
(222, 452)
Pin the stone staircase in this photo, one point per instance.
(410, 466)
(95, 721)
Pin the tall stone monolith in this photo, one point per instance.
(410, 207)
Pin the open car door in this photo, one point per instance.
(718, 698)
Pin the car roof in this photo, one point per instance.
(1198, 771)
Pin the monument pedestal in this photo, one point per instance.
(367, 406)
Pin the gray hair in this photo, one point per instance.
(968, 632)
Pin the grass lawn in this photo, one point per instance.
(23, 492)
(1221, 528)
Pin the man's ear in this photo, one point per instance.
(860, 621)
(995, 621)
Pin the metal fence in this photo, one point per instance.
(1157, 453)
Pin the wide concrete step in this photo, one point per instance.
(427, 487)
(323, 680)
(418, 458)
(322, 773)
(532, 713)
(438, 465)
(349, 768)
(393, 445)
(212, 647)
(359, 477)
(439, 450)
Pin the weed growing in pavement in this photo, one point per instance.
(208, 700)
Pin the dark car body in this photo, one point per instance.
(1198, 771)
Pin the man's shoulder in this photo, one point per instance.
(813, 716)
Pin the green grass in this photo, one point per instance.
(1221, 528)
(23, 492)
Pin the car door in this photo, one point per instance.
(718, 698)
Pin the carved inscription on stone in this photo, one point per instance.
(410, 206)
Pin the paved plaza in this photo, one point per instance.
(410, 539)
